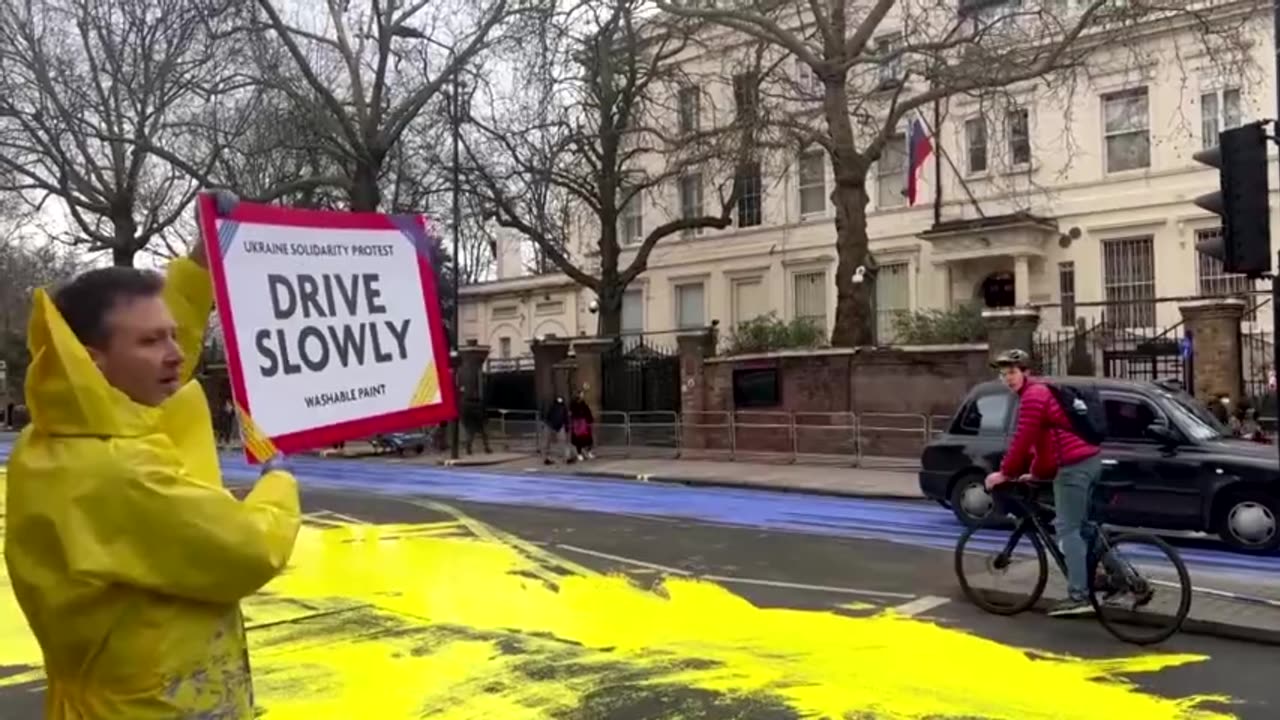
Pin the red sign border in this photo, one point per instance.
(303, 440)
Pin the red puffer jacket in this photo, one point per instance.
(1044, 430)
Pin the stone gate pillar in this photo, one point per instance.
(471, 359)
(590, 372)
(546, 354)
(1009, 328)
(1213, 324)
(694, 347)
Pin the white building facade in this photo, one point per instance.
(1072, 200)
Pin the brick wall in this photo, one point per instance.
(892, 390)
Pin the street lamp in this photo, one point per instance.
(455, 123)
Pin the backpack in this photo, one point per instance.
(1084, 409)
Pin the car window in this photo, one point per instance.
(984, 415)
(1193, 424)
(1129, 416)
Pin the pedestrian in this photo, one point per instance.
(555, 422)
(473, 419)
(581, 426)
(125, 553)
(226, 422)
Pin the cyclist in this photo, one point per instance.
(1045, 431)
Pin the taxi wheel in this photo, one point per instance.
(1248, 520)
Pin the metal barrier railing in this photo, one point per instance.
(855, 439)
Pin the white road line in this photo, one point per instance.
(920, 605)
(735, 580)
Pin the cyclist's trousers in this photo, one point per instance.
(1072, 491)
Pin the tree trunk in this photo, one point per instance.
(855, 322)
(365, 195)
(124, 243)
(609, 323)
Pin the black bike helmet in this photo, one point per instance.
(1012, 358)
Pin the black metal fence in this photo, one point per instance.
(641, 373)
(1107, 342)
(1257, 357)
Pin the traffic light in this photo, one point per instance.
(1244, 245)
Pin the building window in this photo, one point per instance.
(690, 199)
(746, 96)
(810, 84)
(631, 221)
(1219, 111)
(1129, 282)
(810, 298)
(813, 183)
(504, 348)
(975, 143)
(889, 48)
(691, 306)
(893, 298)
(1019, 124)
(751, 197)
(1125, 125)
(1067, 292)
(633, 312)
(1214, 281)
(748, 299)
(689, 105)
(891, 173)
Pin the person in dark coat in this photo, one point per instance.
(556, 420)
(581, 426)
(474, 420)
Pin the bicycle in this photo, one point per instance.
(1111, 574)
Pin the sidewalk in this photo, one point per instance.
(812, 479)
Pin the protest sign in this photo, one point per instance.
(331, 324)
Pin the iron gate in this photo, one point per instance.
(1098, 347)
(640, 376)
(510, 385)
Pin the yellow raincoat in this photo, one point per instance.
(126, 554)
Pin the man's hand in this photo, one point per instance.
(225, 203)
(994, 479)
(279, 461)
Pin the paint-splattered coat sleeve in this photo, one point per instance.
(154, 526)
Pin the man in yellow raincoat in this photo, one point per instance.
(126, 554)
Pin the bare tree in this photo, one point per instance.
(86, 88)
(844, 75)
(23, 268)
(590, 137)
(366, 71)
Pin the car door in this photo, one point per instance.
(1166, 491)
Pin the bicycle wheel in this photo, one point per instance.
(1140, 588)
(1005, 563)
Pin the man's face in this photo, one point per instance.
(141, 357)
(1014, 377)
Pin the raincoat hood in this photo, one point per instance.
(66, 392)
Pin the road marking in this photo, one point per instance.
(735, 580)
(919, 605)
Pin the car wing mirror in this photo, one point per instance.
(1162, 434)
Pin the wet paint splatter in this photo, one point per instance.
(455, 619)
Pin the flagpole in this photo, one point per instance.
(937, 163)
(967, 190)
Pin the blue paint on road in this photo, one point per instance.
(912, 522)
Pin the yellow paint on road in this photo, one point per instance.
(456, 619)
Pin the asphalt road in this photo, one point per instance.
(412, 595)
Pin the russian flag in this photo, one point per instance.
(919, 146)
